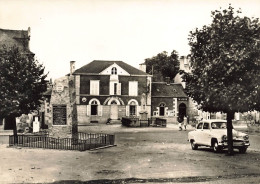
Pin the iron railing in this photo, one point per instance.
(84, 142)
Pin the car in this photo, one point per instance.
(213, 133)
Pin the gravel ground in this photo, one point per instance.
(142, 155)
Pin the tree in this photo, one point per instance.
(225, 66)
(162, 65)
(22, 83)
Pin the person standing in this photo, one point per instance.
(185, 122)
(180, 120)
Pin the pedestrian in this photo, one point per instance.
(185, 122)
(180, 120)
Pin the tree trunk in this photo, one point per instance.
(230, 116)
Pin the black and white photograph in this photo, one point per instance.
(130, 91)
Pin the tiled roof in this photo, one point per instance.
(161, 89)
(97, 66)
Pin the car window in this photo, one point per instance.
(199, 126)
(206, 126)
(218, 125)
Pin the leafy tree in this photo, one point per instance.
(225, 66)
(22, 83)
(162, 65)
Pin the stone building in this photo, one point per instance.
(169, 101)
(18, 38)
(110, 90)
(103, 91)
(8, 39)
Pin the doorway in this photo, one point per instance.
(182, 110)
(114, 110)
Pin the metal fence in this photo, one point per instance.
(90, 141)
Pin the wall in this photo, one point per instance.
(156, 101)
(82, 86)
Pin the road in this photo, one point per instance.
(150, 155)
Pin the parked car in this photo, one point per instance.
(213, 133)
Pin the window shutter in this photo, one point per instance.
(111, 88)
(91, 88)
(127, 110)
(88, 110)
(166, 111)
(119, 89)
(133, 88)
(138, 110)
(136, 88)
(129, 88)
(97, 88)
(100, 108)
(94, 87)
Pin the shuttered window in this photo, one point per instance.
(133, 88)
(115, 88)
(94, 87)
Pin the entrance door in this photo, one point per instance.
(114, 111)
(182, 110)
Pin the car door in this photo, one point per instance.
(205, 134)
(197, 135)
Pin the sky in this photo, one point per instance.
(125, 30)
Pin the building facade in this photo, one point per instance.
(106, 91)
(169, 101)
(110, 90)
(17, 38)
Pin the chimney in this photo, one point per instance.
(142, 67)
(168, 82)
(72, 67)
(29, 32)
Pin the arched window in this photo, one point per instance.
(132, 109)
(114, 71)
(113, 102)
(162, 109)
(94, 107)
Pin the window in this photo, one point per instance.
(132, 109)
(94, 87)
(115, 88)
(206, 126)
(94, 107)
(113, 102)
(133, 88)
(114, 71)
(199, 126)
(162, 109)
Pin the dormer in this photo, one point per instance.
(114, 69)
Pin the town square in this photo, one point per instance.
(129, 92)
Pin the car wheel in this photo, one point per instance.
(242, 150)
(193, 145)
(216, 147)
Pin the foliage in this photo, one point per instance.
(225, 63)
(22, 82)
(162, 65)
